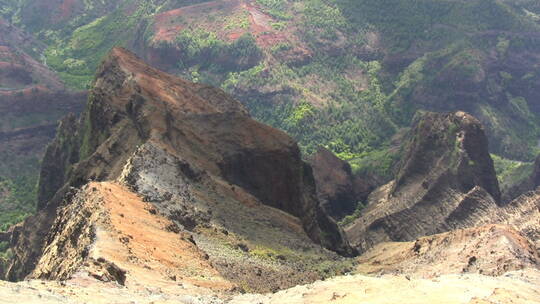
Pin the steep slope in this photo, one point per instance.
(445, 181)
(339, 73)
(276, 43)
(487, 264)
(489, 250)
(338, 190)
(195, 154)
(347, 75)
(123, 241)
(32, 99)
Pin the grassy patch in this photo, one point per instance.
(350, 218)
(511, 172)
(379, 163)
(18, 197)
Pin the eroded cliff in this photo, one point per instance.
(445, 181)
(196, 155)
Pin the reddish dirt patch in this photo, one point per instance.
(168, 24)
(66, 9)
(163, 29)
(167, 33)
(261, 27)
(142, 242)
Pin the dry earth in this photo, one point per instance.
(513, 287)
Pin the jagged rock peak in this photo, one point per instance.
(196, 149)
(445, 180)
(448, 144)
(123, 72)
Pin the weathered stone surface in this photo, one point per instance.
(446, 150)
(445, 181)
(205, 131)
(515, 287)
(107, 233)
(338, 190)
(490, 250)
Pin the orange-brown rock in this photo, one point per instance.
(193, 152)
(106, 232)
(490, 250)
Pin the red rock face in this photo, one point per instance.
(211, 134)
(215, 132)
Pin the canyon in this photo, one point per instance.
(164, 190)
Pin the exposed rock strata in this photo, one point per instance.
(446, 181)
(217, 152)
(109, 234)
(490, 250)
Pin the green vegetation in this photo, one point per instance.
(350, 218)
(348, 120)
(18, 200)
(348, 75)
(405, 22)
(510, 172)
(238, 22)
(77, 57)
(275, 8)
(206, 51)
(351, 114)
(378, 163)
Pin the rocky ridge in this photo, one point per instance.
(196, 155)
(167, 190)
(445, 181)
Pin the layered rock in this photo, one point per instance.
(190, 150)
(490, 250)
(445, 181)
(108, 233)
(523, 213)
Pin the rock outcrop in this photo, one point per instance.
(445, 181)
(108, 233)
(523, 213)
(490, 250)
(190, 150)
(338, 190)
